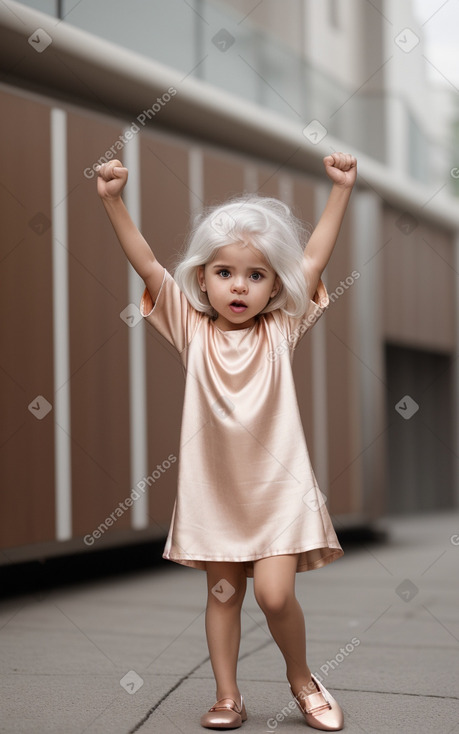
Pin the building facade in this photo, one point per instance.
(85, 461)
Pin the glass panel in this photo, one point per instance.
(46, 6)
(149, 27)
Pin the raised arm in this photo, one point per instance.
(341, 168)
(110, 184)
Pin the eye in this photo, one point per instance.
(257, 276)
(223, 273)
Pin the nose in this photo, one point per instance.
(239, 285)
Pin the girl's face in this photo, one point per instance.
(239, 283)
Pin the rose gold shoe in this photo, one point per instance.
(225, 714)
(320, 709)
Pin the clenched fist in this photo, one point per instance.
(111, 180)
(341, 168)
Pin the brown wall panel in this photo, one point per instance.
(165, 224)
(26, 360)
(99, 384)
(303, 208)
(341, 405)
(419, 283)
(268, 180)
(223, 178)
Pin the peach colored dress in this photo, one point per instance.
(246, 488)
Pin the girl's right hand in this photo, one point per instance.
(111, 180)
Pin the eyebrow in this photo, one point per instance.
(228, 267)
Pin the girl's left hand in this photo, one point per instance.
(341, 168)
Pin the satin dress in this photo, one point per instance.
(246, 487)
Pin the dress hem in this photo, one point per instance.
(333, 553)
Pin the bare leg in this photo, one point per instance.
(274, 588)
(223, 623)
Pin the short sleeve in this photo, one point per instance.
(294, 328)
(171, 314)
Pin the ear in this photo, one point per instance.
(201, 278)
(276, 287)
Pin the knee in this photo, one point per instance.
(273, 602)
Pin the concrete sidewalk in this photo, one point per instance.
(382, 626)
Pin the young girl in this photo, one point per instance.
(243, 294)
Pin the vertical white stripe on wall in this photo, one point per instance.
(137, 356)
(358, 309)
(286, 189)
(62, 427)
(195, 181)
(318, 336)
(250, 178)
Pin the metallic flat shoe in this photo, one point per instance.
(225, 714)
(326, 716)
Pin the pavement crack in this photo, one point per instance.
(396, 693)
(166, 695)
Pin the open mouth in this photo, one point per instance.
(238, 306)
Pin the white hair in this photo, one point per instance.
(265, 223)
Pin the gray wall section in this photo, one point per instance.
(422, 462)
